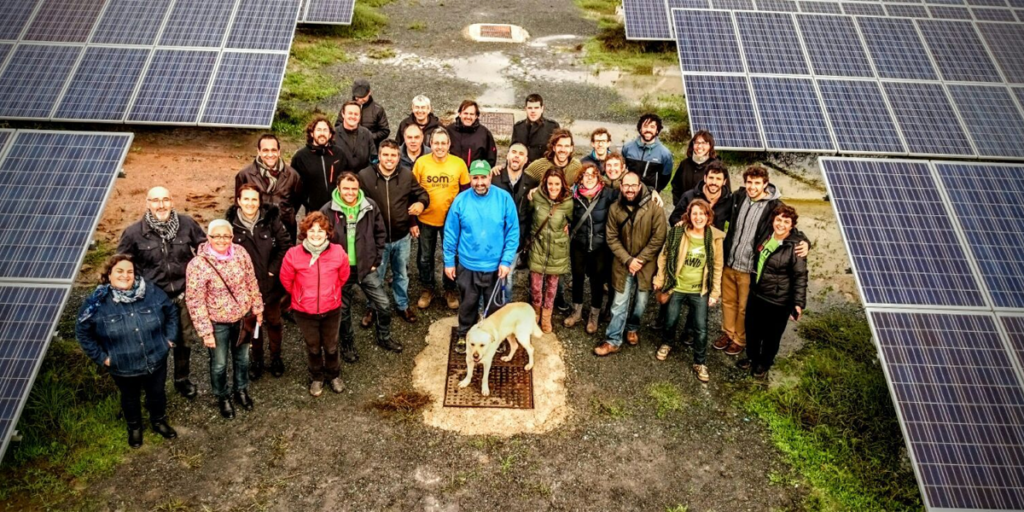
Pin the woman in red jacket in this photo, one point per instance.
(313, 273)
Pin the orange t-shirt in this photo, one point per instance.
(442, 182)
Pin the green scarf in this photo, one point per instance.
(351, 218)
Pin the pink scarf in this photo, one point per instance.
(589, 193)
(218, 256)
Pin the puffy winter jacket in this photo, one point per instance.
(592, 232)
(161, 262)
(357, 149)
(640, 235)
(370, 234)
(473, 142)
(318, 167)
(394, 194)
(287, 193)
(373, 118)
(783, 279)
(266, 245)
(549, 253)
(534, 136)
(316, 288)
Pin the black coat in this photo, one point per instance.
(783, 279)
(162, 263)
(518, 192)
(357, 148)
(266, 245)
(592, 232)
(318, 167)
(722, 209)
(472, 143)
(433, 123)
(534, 136)
(370, 235)
(394, 194)
(689, 174)
(374, 119)
(287, 193)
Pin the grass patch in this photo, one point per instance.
(614, 409)
(417, 25)
(835, 423)
(611, 49)
(599, 7)
(667, 398)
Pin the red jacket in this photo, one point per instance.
(315, 289)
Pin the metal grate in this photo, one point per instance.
(511, 385)
(496, 31)
(499, 123)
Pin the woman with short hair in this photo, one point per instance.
(549, 252)
(127, 325)
(220, 291)
(588, 249)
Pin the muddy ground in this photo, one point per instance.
(616, 451)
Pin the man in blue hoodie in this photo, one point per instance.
(647, 156)
(482, 232)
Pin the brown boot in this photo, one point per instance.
(722, 342)
(605, 349)
(576, 316)
(426, 297)
(595, 313)
(452, 297)
(536, 314)
(545, 320)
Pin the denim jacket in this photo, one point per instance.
(135, 336)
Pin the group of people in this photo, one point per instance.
(300, 238)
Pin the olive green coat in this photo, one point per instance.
(640, 237)
(549, 253)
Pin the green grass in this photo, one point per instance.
(667, 398)
(599, 7)
(835, 423)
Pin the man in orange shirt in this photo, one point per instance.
(443, 176)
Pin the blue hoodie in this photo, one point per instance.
(482, 229)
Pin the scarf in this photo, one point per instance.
(589, 193)
(93, 302)
(208, 249)
(675, 238)
(270, 174)
(249, 226)
(700, 160)
(136, 292)
(168, 229)
(315, 250)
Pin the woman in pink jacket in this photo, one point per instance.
(221, 290)
(313, 273)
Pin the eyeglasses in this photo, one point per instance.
(221, 237)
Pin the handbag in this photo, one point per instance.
(242, 338)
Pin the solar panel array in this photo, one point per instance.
(327, 12)
(854, 84)
(53, 187)
(935, 248)
(187, 62)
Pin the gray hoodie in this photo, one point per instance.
(741, 255)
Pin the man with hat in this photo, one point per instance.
(482, 233)
(374, 118)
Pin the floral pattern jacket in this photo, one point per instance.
(220, 291)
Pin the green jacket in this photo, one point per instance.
(640, 235)
(549, 253)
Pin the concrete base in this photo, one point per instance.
(549, 396)
(495, 33)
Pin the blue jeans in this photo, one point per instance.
(696, 322)
(619, 306)
(396, 254)
(227, 339)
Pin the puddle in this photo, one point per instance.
(544, 42)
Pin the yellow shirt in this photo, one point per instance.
(442, 182)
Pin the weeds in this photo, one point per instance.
(406, 402)
(614, 409)
(836, 423)
(417, 25)
(667, 398)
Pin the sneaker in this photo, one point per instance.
(460, 346)
(316, 387)
(687, 340)
(336, 385)
(744, 364)
(760, 372)
(663, 352)
(722, 342)
(605, 349)
(426, 297)
(734, 349)
(453, 299)
(702, 372)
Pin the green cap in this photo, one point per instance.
(479, 168)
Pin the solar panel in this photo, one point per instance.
(744, 5)
(1014, 326)
(770, 43)
(859, 117)
(264, 25)
(987, 3)
(907, 11)
(197, 23)
(723, 106)
(64, 21)
(706, 41)
(791, 114)
(1006, 41)
(686, 4)
(863, 9)
(28, 319)
(131, 22)
(16, 15)
(5, 50)
(821, 7)
(993, 226)
(173, 89)
(5, 135)
(949, 12)
(947, 2)
(53, 186)
(993, 14)
(244, 93)
(645, 19)
(993, 120)
(1019, 93)
(102, 87)
(961, 405)
(33, 78)
(339, 12)
(777, 5)
(896, 49)
(927, 119)
(834, 46)
(921, 263)
(958, 51)
(1016, 3)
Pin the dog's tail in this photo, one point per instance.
(537, 333)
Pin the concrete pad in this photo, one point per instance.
(550, 408)
(495, 33)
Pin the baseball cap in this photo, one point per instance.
(479, 168)
(360, 88)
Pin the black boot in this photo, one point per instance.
(226, 409)
(563, 306)
(256, 369)
(277, 367)
(135, 434)
(161, 427)
(243, 399)
(186, 388)
(390, 344)
(348, 351)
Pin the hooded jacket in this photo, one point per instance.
(316, 288)
(373, 118)
(722, 209)
(287, 193)
(396, 193)
(357, 148)
(370, 233)
(783, 279)
(689, 174)
(162, 263)
(433, 123)
(317, 167)
(744, 252)
(637, 235)
(266, 245)
(534, 136)
(549, 253)
(653, 162)
(224, 295)
(473, 142)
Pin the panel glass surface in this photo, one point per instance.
(993, 14)
(340, 11)
(1014, 326)
(860, 119)
(834, 46)
(896, 49)
(1007, 44)
(645, 19)
(987, 3)
(174, 86)
(733, 5)
(777, 5)
(791, 114)
(993, 121)
(863, 9)
(907, 11)
(722, 105)
(64, 21)
(197, 23)
(264, 25)
(946, 12)
(921, 263)
(927, 119)
(958, 51)
(686, 4)
(103, 84)
(16, 15)
(245, 91)
(33, 79)
(770, 43)
(821, 7)
(707, 41)
(131, 22)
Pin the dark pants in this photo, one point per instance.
(156, 395)
(696, 322)
(271, 330)
(321, 335)
(373, 288)
(765, 323)
(595, 265)
(183, 343)
(473, 286)
(226, 336)
(430, 239)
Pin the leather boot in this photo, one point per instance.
(256, 369)
(348, 351)
(226, 409)
(545, 320)
(576, 317)
(536, 314)
(161, 427)
(595, 314)
(135, 435)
